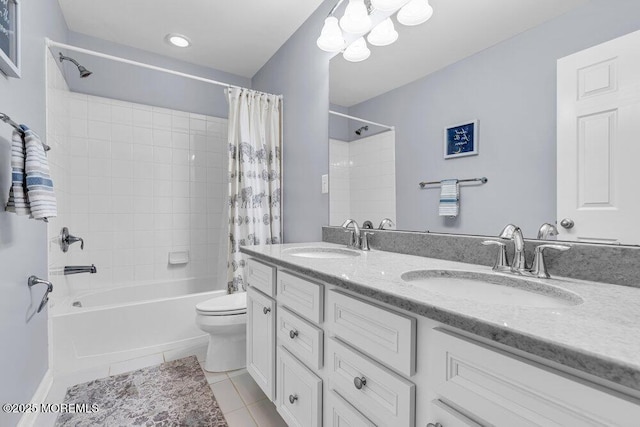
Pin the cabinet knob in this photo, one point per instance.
(359, 382)
(266, 310)
(293, 398)
(293, 334)
(567, 223)
(434, 425)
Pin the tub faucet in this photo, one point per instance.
(354, 241)
(519, 263)
(76, 269)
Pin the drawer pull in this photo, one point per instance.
(359, 382)
(434, 425)
(266, 310)
(293, 398)
(293, 334)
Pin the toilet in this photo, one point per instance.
(224, 318)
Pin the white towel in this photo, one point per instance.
(449, 198)
(18, 202)
(42, 199)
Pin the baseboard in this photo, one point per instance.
(29, 419)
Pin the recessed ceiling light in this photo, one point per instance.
(178, 40)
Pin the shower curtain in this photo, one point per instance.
(255, 141)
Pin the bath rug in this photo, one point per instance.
(170, 394)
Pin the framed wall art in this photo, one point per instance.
(10, 37)
(461, 139)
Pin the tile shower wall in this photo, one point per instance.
(362, 181)
(136, 182)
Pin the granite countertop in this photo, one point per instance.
(600, 336)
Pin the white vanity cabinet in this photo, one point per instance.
(328, 357)
(261, 326)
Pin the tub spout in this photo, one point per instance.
(76, 269)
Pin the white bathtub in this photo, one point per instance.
(123, 323)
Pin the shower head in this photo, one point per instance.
(360, 130)
(83, 71)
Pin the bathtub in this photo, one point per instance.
(96, 329)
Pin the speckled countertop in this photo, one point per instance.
(600, 336)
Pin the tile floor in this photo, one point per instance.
(242, 401)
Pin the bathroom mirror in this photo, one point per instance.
(493, 62)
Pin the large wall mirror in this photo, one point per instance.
(493, 64)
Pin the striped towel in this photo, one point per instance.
(18, 202)
(449, 198)
(40, 194)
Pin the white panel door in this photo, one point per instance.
(599, 142)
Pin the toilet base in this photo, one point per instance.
(226, 352)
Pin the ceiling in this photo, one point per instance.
(458, 29)
(237, 36)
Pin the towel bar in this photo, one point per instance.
(483, 180)
(17, 127)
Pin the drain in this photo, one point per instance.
(77, 304)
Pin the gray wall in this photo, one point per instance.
(135, 84)
(339, 126)
(300, 71)
(23, 242)
(511, 89)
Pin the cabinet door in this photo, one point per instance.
(299, 392)
(261, 341)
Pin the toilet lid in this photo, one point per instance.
(223, 305)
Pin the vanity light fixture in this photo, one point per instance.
(357, 22)
(178, 40)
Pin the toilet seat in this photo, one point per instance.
(225, 305)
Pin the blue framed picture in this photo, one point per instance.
(461, 140)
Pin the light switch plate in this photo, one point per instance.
(325, 184)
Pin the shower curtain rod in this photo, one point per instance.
(51, 43)
(335, 113)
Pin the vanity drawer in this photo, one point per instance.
(299, 392)
(261, 276)
(503, 389)
(449, 417)
(386, 398)
(383, 334)
(301, 295)
(341, 414)
(300, 337)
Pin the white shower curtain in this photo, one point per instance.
(255, 140)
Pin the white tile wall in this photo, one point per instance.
(362, 183)
(136, 182)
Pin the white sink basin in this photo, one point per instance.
(492, 288)
(321, 253)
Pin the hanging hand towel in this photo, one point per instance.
(18, 202)
(42, 200)
(449, 198)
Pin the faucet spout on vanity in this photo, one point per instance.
(519, 263)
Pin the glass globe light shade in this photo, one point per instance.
(356, 19)
(331, 39)
(357, 51)
(415, 12)
(383, 34)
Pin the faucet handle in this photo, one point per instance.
(502, 263)
(364, 243)
(539, 268)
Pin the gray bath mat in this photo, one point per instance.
(171, 394)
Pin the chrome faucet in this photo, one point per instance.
(386, 221)
(354, 241)
(546, 230)
(77, 269)
(519, 264)
(513, 232)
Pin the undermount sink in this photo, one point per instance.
(492, 288)
(322, 253)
